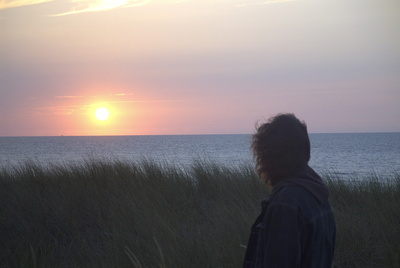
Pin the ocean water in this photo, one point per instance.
(348, 155)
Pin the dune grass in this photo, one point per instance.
(147, 214)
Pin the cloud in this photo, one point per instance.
(257, 3)
(78, 6)
(81, 6)
(19, 3)
(68, 97)
(275, 1)
(57, 110)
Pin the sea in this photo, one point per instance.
(347, 155)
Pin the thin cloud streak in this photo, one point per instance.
(276, 1)
(4, 4)
(68, 97)
(83, 6)
(78, 6)
(81, 109)
(264, 3)
(58, 110)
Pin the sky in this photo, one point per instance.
(197, 66)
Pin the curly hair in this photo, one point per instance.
(281, 148)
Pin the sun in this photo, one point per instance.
(101, 114)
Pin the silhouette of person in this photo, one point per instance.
(296, 227)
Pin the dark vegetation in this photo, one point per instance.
(104, 214)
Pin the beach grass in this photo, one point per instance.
(151, 214)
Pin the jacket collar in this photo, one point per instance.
(309, 180)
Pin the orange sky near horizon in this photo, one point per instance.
(197, 67)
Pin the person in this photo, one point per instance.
(296, 227)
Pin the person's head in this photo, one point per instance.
(281, 148)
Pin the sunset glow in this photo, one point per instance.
(160, 67)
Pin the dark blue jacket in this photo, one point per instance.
(296, 227)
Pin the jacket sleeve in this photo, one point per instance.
(279, 241)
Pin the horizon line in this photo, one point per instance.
(204, 134)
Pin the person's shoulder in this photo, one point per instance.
(290, 194)
(291, 190)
